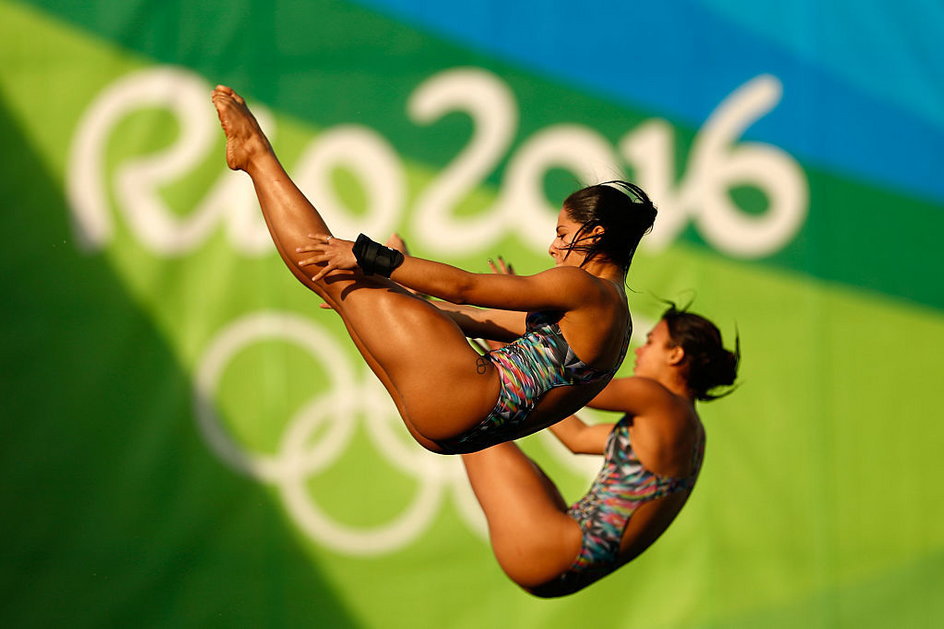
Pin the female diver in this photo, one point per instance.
(652, 459)
(451, 398)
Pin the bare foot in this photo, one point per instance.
(245, 140)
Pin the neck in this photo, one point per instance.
(606, 270)
(675, 383)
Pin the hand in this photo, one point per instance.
(502, 267)
(330, 252)
(396, 242)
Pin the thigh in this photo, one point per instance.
(394, 394)
(532, 536)
(442, 386)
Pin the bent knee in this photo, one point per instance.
(537, 561)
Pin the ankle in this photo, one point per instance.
(262, 161)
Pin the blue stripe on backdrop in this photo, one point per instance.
(889, 50)
(681, 58)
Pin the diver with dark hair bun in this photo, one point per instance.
(707, 364)
(653, 455)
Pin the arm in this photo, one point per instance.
(581, 438)
(490, 324)
(496, 326)
(633, 395)
(560, 288)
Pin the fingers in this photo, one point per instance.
(323, 272)
(502, 267)
(321, 239)
(312, 260)
(318, 244)
(333, 254)
(396, 242)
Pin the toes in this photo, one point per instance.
(232, 94)
(224, 94)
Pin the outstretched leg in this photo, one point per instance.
(421, 356)
(533, 538)
(288, 214)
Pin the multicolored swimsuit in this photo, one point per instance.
(529, 367)
(604, 512)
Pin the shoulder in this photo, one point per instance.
(569, 275)
(642, 392)
(665, 433)
(580, 287)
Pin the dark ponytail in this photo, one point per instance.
(708, 365)
(624, 212)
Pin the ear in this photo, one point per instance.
(597, 231)
(676, 355)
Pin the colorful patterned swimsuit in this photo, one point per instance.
(529, 367)
(604, 513)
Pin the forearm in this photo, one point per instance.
(440, 280)
(561, 288)
(580, 438)
(494, 325)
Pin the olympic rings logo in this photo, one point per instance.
(333, 412)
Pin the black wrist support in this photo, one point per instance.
(373, 257)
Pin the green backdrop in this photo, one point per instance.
(188, 440)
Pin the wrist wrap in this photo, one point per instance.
(372, 257)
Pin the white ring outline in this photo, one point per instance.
(292, 465)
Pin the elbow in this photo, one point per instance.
(464, 290)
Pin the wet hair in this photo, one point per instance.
(624, 212)
(708, 365)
